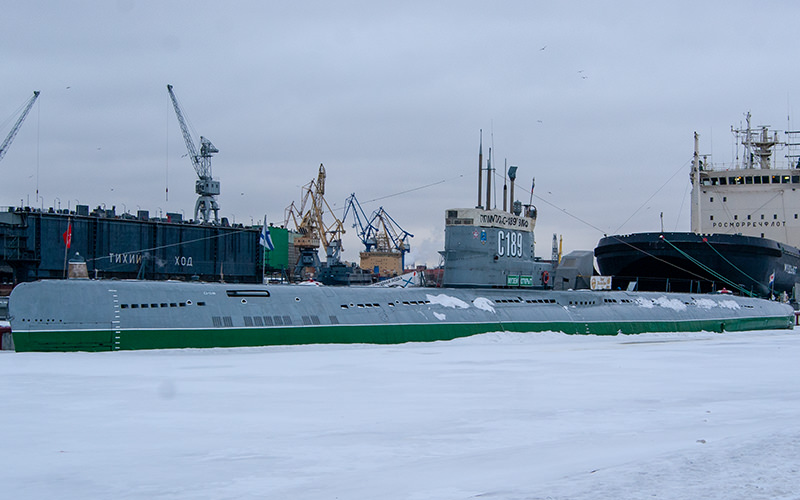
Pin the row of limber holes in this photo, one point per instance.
(390, 304)
(344, 306)
(162, 304)
(227, 321)
(421, 302)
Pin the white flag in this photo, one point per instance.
(265, 240)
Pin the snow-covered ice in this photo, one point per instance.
(497, 416)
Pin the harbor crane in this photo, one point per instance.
(380, 234)
(205, 186)
(308, 221)
(389, 236)
(18, 124)
(365, 230)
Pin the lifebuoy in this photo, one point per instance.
(545, 277)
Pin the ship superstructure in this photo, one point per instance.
(758, 195)
(491, 248)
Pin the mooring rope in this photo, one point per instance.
(705, 240)
(708, 269)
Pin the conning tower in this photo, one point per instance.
(487, 247)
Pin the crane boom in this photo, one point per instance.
(388, 235)
(17, 125)
(365, 230)
(205, 186)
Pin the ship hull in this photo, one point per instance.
(88, 315)
(693, 262)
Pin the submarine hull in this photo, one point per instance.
(90, 315)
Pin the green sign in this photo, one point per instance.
(512, 280)
(526, 281)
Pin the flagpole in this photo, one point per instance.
(771, 285)
(67, 243)
(66, 250)
(264, 254)
(264, 247)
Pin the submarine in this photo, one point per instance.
(492, 282)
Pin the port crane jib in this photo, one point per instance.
(18, 124)
(362, 222)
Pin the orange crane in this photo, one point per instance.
(308, 222)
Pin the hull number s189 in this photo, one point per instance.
(509, 243)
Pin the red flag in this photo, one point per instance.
(68, 235)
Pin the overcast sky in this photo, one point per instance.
(599, 103)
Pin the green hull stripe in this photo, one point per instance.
(108, 340)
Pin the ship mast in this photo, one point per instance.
(696, 216)
(489, 181)
(758, 146)
(748, 145)
(480, 171)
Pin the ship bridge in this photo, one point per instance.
(757, 195)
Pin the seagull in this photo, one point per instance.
(543, 47)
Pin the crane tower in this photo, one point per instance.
(309, 223)
(205, 186)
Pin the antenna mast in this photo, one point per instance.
(480, 171)
(489, 181)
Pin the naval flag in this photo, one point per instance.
(265, 240)
(67, 236)
(772, 278)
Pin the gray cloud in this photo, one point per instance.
(599, 103)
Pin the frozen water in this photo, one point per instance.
(511, 416)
